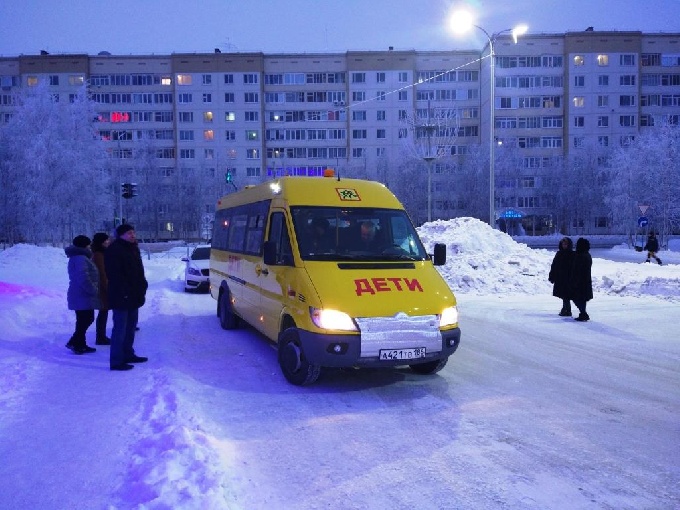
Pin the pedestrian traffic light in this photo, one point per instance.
(228, 177)
(126, 190)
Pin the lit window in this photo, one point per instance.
(208, 134)
(603, 60)
(183, 79)
(208, 116)
(166, 80)
(230, 116)
(579, 102)
(578, 60)
(32, 81)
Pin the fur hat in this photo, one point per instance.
(125, 227)
(81, 241)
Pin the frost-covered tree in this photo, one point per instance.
(54, 178)
(647, 173)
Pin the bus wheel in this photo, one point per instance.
(228, 319)
(295, 367)
(430, 367)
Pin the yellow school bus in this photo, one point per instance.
(333, 271)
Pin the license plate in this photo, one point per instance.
(401, 354)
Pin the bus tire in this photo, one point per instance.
(295, 367)
(228, 319)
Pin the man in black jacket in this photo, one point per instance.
(652, 247)
(126, 293)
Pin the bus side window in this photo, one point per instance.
(279, 234)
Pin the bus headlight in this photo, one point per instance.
(331, 319)
(448, 317)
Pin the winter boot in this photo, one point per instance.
(659, 261)
(70, 344)
(565, 313)
(582, 317)
(646, 261)
(103, 340)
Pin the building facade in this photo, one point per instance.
(213, 120)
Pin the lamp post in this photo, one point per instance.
(460, 22)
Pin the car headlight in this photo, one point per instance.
(331, 319)
(448, 317)
(194, 271)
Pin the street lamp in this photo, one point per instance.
(461, 22)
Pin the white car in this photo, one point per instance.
(197, 269)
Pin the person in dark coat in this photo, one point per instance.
(652, 247)
(83, 291)
(127, 294)
(100, 241)
(560, 274)
(581, 279)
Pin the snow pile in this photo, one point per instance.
(482, 260)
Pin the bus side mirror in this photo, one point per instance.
(439, 258)
(269, 249)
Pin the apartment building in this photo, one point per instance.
(252, 116)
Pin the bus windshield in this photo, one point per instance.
(333, 233)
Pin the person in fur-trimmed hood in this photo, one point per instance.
(581, 278)
(83, 291)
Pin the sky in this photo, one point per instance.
(534, 411)
(300, 26)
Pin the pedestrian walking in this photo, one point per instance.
(127, 294)
(560, 274)
(652, 247)
(83, 291)
(581, 278)
(100, 241)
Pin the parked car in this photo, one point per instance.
(197, 269)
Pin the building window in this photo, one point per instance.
(252, 153)
(579, 102)
(578, 60)
(183, 79)
(186, 116)
(603, 60)
(359, 134)
(602, 101)
(603, 121)
(627, 60)
(579, 81)
(403, 77)
(250, 78)
(603, 80)
(252, 171)
(403, 95)
(185, 98)
(228, 79)
(603, 141)
(627, 120)
(209, 154)
(627, 80)
(207, 116)
(380, 115)
(380, 77)
(187, 153)
(54, 79)
(252, 135)
(626, 100)
(359, 152)
(381, 134)
(358, 77)
(208, 135)
(359, 115)
(32, 81)
(186, 135)
(229, 116)
(207, 98)
(252, 116)
(579, 121)
(251, 97)
(358, 96)
(230, 135)
(207, 79)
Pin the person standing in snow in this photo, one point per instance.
(127, 294)
(581, 278)
(100, 241)
(652, 247)
(560, 274)
(83, 291)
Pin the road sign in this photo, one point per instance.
(643, 209)
(643, 221)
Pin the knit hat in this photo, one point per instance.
(81, 241)
(100, 238)
(123, 228)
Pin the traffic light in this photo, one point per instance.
(228, 177)
(128, 189)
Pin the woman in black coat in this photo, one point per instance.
(581, 279)
(560, 274)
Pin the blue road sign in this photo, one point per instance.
(643, 221)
